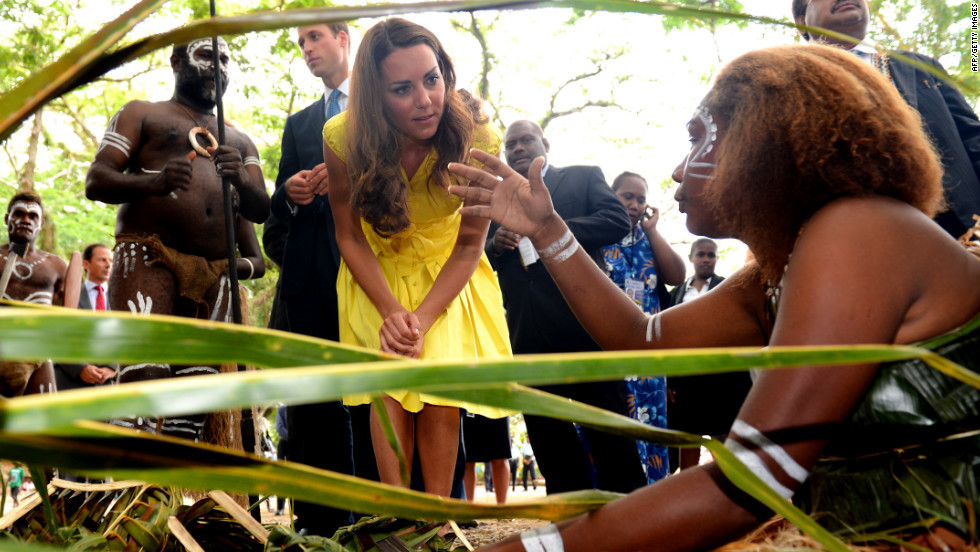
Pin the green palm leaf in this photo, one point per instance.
(115, 337)
(56, 78)
(100, 450)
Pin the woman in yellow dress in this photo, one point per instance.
(414, 279)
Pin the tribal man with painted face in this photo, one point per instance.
(161, 163)
(37, 277)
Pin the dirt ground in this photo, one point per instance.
(486, 532)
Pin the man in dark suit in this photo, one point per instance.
(97, 261)
(301, 228)
(947, 117)
(707, 404)
(540, 320)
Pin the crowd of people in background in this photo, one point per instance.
(402, 221)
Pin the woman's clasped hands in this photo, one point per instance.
(401, 334)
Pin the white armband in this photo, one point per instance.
(758, 466)
(653, 326)
(544, 539)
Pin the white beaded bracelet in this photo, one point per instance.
(545, 539)
(251, 268)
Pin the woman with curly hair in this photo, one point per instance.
(414, 280)
(812, 159)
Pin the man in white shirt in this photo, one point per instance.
(97, 261)
(707, 404)
(704, 255)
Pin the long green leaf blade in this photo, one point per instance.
(180, 396)
(101, 450)
(49, 82)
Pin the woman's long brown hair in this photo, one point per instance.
(378, 191)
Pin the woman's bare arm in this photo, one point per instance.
(457, 271)
(357, 252)
(727, 316)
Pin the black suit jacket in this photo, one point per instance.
(955, 131)
(538, 317)
(306, 240)
(677, 294)
(66, 375)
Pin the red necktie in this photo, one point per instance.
(100, 299)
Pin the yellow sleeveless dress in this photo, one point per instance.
(472, 326)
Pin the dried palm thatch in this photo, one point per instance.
(778, 535)
(131, 516)
(971, 239)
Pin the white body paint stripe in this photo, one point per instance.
(544, 539)
(196, 370)
(115, 136)
(117, 141)
(653, 327)
(223, 285)
(758, 467)
(41, 297)
(567, 253)
(776, 452)
(133, 367)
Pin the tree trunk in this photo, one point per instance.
(27, 177)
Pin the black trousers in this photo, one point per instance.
(561, 456)
(514, 462)
(320, 433)
(529, 473)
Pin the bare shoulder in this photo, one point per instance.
(57, 262)
(140, 108)
(855, 213)
(236, 137)
(885, 254)
(871, 226)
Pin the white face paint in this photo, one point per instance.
(30, 207)
(696, 159)
(19, 219)
(207, 65)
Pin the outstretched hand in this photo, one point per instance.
(499, 193)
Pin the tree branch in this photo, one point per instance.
(552, 115)
(86, 134)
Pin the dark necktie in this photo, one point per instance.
(333, 104)
(100, 299)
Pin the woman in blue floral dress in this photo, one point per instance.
(641, 264)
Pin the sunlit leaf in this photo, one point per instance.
(56, 78)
